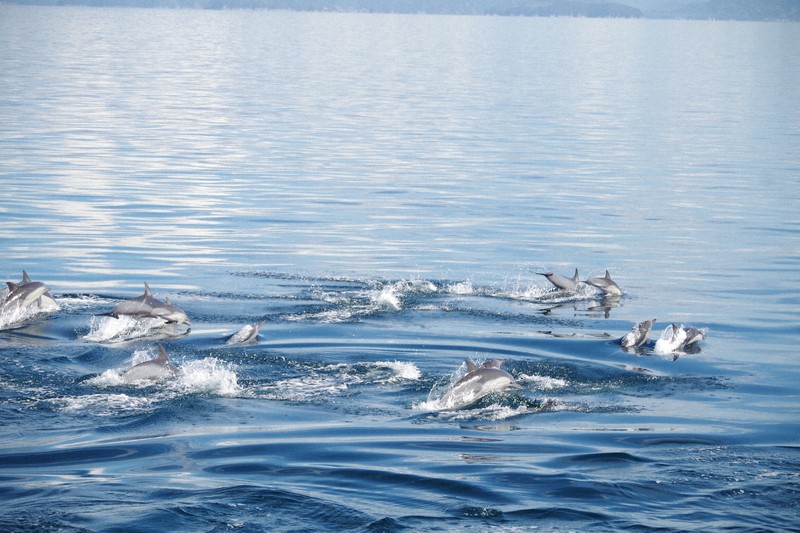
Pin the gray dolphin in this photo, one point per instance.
(146, 306)
(25, 293)
(247, 335)
(638, 335)
(605, 284)
(679, 339)
(692, 334)
(151, 370)
(562, 282)
(683, 336)
(477, 383)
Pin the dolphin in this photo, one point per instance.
(638, 335)
(678, 339)
(562, 282)
(169, 312)
(151, 370)
(25, 293)
(605, 284)
(247, 335)
(692, 334)
(146, 306)
(477, 383)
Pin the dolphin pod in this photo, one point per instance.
(607, 285)
(478, 381)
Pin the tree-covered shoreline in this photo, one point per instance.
(686, 9)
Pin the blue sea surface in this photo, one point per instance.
(383, 191)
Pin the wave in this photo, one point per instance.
(326, 382)
(343, 300)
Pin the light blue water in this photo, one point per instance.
(382, 190)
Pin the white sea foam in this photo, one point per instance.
(105, 404)
(83, 301)
(209, 376)
(493, 412)
(387, 298)
(462, 288)
(402, 371)
(334, 380)
(542, 382)
(305, 388)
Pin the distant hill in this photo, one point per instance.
(689, 9)
(744, 10)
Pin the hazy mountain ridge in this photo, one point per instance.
(709, 9)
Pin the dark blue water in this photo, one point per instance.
(382, 191)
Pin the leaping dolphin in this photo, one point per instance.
(146, 305)
(151, 370)
(26, 293)
(605, 284)
(562, 282)
(477, 383)
(679, 339)
(247, 335)
(638, 335)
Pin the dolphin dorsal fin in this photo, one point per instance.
(11, 286)
(575, 277)
(608, 276)
(470, 366)
(162, 354)
(146, 289)
(25, 278)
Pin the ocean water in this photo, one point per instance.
(382, 191)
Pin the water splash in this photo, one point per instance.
(15, 316)
(543, 382)
(107, 329)
(205, 376)
(329, 381)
